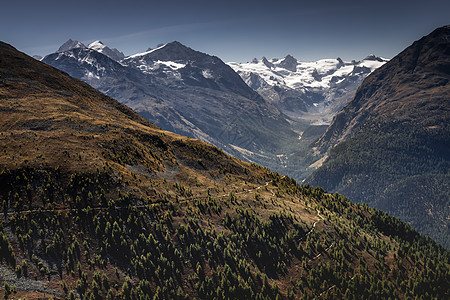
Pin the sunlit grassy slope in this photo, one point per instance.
(99, 203)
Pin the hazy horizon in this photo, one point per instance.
(231, 30)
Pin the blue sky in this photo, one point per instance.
(232, 30)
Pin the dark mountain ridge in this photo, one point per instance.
(393, 138)
(421, 70)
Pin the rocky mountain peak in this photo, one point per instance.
(373, 57)
(173, 51)
(266, 62)
(70, 44)
(110, 52)
(289, 63)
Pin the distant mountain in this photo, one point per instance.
(102, 48)
(98, 46)
(89, 65)
(310, 91)
(69, 45)
(190, 93)
(176, 64)
(98, 203)
(389, 146)
(197, 95)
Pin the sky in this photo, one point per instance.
(232, 30)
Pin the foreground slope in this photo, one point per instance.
(99, 203)
(396, 132)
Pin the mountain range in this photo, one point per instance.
(198, 95)
(97, 202)
(312, 92)
(188, 92)
(389, 146)
(96, 45)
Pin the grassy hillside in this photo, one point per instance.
(98, 203)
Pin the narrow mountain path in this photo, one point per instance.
(65, 210)
(313, 226)
(318, 255)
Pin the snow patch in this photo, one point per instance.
(207, 74)
(171, 64)
(146, 52)
(92, 75)
(316, 74)
(97, 46)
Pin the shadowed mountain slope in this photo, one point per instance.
(390, 144)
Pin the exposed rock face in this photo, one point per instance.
(289, 63)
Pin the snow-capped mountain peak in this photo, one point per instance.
(372, 62)
(266, 62)
(297, 87)
(96, 46)
(173, 51)
(70, 44)
(171, 56)
(155, 60)
(373, 57)
(110, 52)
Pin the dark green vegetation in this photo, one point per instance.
(98, 203)
(376, 167)
(121, 246)
(396, 139)
(298, 162)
